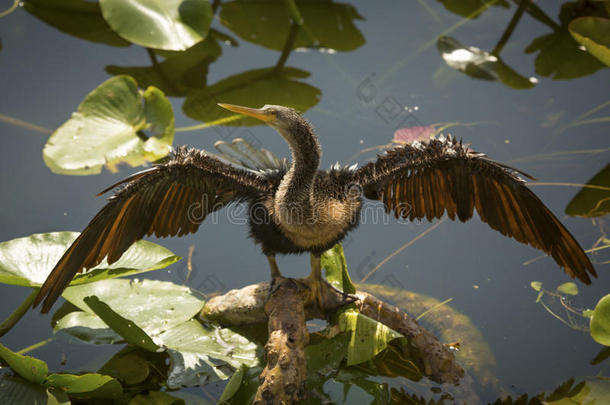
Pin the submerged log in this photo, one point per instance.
(286, 310)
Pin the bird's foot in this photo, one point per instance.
(323, 298)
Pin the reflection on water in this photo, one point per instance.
(369, 70)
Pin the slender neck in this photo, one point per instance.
(296, 187)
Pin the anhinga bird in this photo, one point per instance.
(299, 208)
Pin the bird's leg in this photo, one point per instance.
(315, 281)
(324, 295)
(275, 272)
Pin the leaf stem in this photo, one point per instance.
(511, 27)
(13, 318)
(34, 346)
(10, 9)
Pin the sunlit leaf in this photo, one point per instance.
(28, 261)
(154, 306)
(30, 368)
(369, 337)
(254, 89)
(480, 64)
(169, 24)
(86, 386)
(600, 322)
(233, 385)
(80, 18)
(199, 354)
(536, 285)
(569, 288)
(328, 25)
(87, 327)
(333, 261)
(124, 327)
(15, 390)
(594, 34)
(179, 73)
(590, 202)
(561, 57)
(116, 123)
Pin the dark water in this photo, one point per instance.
(44, 75)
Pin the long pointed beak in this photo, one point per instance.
(258, 113)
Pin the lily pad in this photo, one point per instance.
(600, 322)
(28, 261)
(109, 128)
(15, 390)
(179, 73)
(568, 288)
(594, 34)
(86, 386)
(30, 368)
(590, 202)
(155, 306)
(87, 327)
(80, 18)
(327, 25)
(124, 327)
(156, 398)
(199, 354)
(254, 88)
(169, 24)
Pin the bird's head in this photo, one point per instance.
(285, 120)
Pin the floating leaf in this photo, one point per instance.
(199, 354)
(15, 390)
(591, 202)
(333, 261)
(173, 25)
(108, 129)
(561, 57)
(369, 337)
(87, 327)
(86, 386)
(480, 64)
(124, 327)
(327, 25)
(233, 385)
(28, 261)
(30, 368)
(133, 366)
(600, 322)
(179, 73)
(589, 392)
(80, 18)
(154, 306)
(594, 34)
(254, 89)
(536, 285)
(569, 288)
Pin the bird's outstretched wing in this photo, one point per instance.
(427, 179)
(165, 200)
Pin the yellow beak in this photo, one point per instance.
(258, 113)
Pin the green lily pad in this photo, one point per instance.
(200, 354)
(254, 88)
(569, 288)
(594, 34)
(87, 328)
(15, 390)
(86, 386)
(133, 366)
(536, 285)
(179, 73)
(600, 322)
(80, 18)
(561, 58)
(333, 261)
(589, 202)
(30, 368)
(327, 25)
(169, 24)
(155, 306)
(109, 128)
(124, 327)
(368, 338)
(28, 261)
